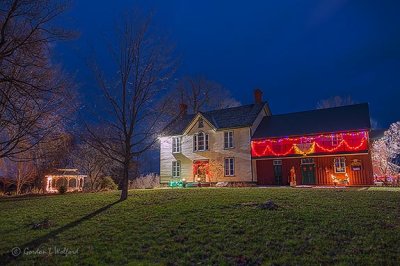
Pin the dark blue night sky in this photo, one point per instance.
(297, 52)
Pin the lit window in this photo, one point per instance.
(340, 165)
(228, 140)
(176, 169)
(200, 142)
(176, 145)
(336, 139)
(229, 166)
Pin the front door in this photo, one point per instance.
(308, 174)
(278, 172)
(200, 170)
(201, 173)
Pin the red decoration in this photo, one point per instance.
(197, 164)
(323, 144)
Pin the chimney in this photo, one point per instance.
(183, 109)
(258, 96)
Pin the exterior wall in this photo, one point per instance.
(216, 153)
(323, 170)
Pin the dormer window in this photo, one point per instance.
(200, 141)
(201, 122)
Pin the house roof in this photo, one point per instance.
(344, 118)
(234, 117)
(377, 134)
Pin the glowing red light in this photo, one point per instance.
(321, 144)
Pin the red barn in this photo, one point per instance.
(322, 147)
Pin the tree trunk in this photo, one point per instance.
(124, 184)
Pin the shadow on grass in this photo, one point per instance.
(34, 244)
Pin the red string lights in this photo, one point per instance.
(319, 144)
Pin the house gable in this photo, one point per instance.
(193, 127)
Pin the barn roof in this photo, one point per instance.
(377, 134)
(234, 117)
(344, 118)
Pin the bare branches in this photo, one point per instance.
(32, 89)
(200, 94)
(142, 69)
(336, 101)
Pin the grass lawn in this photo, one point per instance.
(206, 226)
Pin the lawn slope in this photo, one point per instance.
(209, 226)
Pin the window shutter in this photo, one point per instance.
(195, 142)
(206, 142)
(226, 166)
(225, 140)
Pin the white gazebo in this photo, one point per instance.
(70, 178)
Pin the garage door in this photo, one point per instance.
(265, 173)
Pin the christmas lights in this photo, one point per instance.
(324, 143)
(309, 151)
(337, 180)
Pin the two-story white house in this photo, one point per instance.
(213, 146)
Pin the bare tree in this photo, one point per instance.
(132, 95)
(335, 102)
(200, 94)
(6, 183)
(22, 173)
(32, 89)
(25, 175)
(94, 164)
(51, 154)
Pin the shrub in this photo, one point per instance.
(107, 183)
(62, 189)
(36, 190)
(147, 181)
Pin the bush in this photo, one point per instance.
(62, 189)
(107, 183)
(147, 181)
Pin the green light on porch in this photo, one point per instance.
(175, 183)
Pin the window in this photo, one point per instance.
(228, 140)
(176, 169)
(307, 161)
(176, 145)
(200, 142)
(229, 166)
(336, 139)
(201, 122)
(277, 162)
(340, 165)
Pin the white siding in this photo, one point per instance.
(241, 152)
